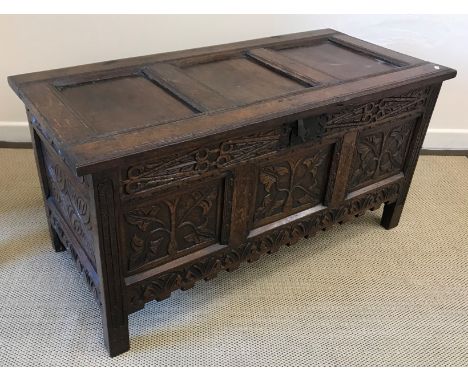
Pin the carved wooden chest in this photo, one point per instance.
(163, 170)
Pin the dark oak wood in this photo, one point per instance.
(163, 170)
(290, 67)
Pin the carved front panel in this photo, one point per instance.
(160, 287)
(379, 154)
(173, 225)
(292, 183)
(71, 197)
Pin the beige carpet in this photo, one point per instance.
(357, 295)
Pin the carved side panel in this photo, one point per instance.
(81, 262)
(291, 184)
(380, 153)
(71, 197)
(173, 225)
(217, 156)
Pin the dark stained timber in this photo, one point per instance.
(163, 170)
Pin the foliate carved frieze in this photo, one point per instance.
(408, 105)
(385, 109)
(160, 287)
(73, 205)
(196, 162)
(380, 153)
(166, 227)
(293, 183)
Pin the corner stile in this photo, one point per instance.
(108, 261)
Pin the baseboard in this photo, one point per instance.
(446, 139)
(436, 139)
(12, 131)
(445, 153)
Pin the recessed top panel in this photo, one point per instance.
(94, 114)
(242, 81)
(340, 62)
(123, 103)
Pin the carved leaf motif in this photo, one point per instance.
(192, 237)
(143, 218)
(172, 225)
(267, 180)
(298, 231)
(313, 164)
(315, 161)
(395, 149)
(380, 153)
(155, 245)
(339, 214)
(137, 244)
(294, 184)
(281, 171)
(207, 203)
(197, 234)
(271, 177)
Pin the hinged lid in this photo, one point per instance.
(93, 114)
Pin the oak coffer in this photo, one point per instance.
(162, 170)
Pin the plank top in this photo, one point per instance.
(96, 115)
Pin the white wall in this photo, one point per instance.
(32, 43)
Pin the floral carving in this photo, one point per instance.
(218, 156)
(380, 153)
(72, 204)
(395, 147)
(171, 225)
(291, 184)
(160, 287)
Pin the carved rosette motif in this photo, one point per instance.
(73, 205)
(219, 156)
(184, 278)
(406, 105)
(380, 153)
(167, 227)
(292, 184)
